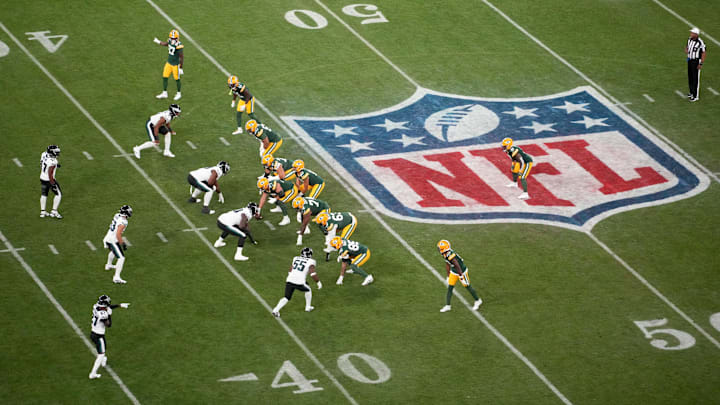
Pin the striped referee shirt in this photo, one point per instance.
(695, 48)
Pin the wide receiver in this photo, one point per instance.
(353, 255)
(297, 280)
(101, 320)
(116, 245)
(246, 103)
(205, 179)
(174, 63)
(48, 168)
(456, 270)
(521, 164)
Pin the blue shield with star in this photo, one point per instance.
(437, 158)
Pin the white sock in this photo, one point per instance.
(111, 256)
(104, 360)
(196, 192)
(168, 138)
(308, 298)
(280, 304)
(43, 202)
(207, 198)
(96, 365)
(239, 251)
(56, 201)
(119, 267)
(146, 145)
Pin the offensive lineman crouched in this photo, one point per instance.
(101, 319)
(354, 255)
(237, 222)
(297, 280)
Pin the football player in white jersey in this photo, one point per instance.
(205, 179)
(101, 320)
(159, 124)
(297, 280)
(48, 168)
(237, 222)
(114, 242)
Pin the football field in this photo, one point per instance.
(602, 288)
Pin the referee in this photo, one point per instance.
(695, 50)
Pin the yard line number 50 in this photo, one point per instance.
(684, 339)
(311, 20)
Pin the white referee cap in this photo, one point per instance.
(695, 30)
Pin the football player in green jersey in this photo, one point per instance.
(456, 270)
(342, 224)
(308, 182)
(174, 62)
(278, 167)
(270, 142)
(283, 190)
(521, 164)
(308, 207)
(354, 255)
(246, 103)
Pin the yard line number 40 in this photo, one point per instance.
(311, 20)
(684, 339)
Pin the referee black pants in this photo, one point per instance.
(694, 77)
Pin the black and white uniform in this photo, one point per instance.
(199, 178)
(229, 223)
(695, 51)
(98, 327)
(110, 241)
(46, 162)
(152, 121)
(297, 277)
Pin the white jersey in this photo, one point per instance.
(162, 114)
(111, 235)
(98, 316)
(204, 173)
(232, 218)
(300, 270)
(46, 162)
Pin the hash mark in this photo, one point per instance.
(223, 140)
(87, 155)
(713, 91)
(195, 229)
(90, 245)
(269, 225)
(17, 162)
(123, 155)
(53, 250)
(191, 145)
(162, 237)
(679, 93)
(648, 98)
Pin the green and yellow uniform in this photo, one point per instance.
(343, 223)
(521, 165)
(456, 273)
(314, 206)
(317, 184)
(275, 140)
(285, 164)
(246, 102)
(356, 253)
(289, 190)
(175, 50)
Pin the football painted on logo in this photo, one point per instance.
(436, 158)
(461, 122)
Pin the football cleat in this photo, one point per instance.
(94, 376)
(240, 258)
(309, 309)
(136, 152)
(219, 243)
(507, 143)
(223, 166)
(298, 165)
(207, 210)
(55, 214)
(232, 81)
(510, 185)
(268, 160)
(263, 183)
(443, 246)
(285, 221)
(193, 200)
(251, 126)
(336, 242)
(126, 210)
(162, 95)
(298, 203)
(369, 279)
(178, 96)
(276, 209)
(53, 150)
(445, 308)
(109, 266)
(477, 304)
(238, 131)
(276, 314)
(174, 110)
(306, 252)
(43, 214)
(119, 281)
(169, 154)
(322, 218)
(174, 34)
(524, 196)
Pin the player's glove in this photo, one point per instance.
(339, 259)
(180, 70)
(319, 285)
(339, 280)
(123, 246)
(157, 41)
(125, 305)
(232, 104)
(221, 198)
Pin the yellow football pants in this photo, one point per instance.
(464, 279)
(174, 69)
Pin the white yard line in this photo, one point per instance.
(53, 249)
(162, 237)
(680, 93)
(87, 155)
(174, 206)
(713, 91)
(195, 229)
(90, 245)
(688, 23)
(11, 250)
(60, 308)
(17, 162)
(224, 141)
(191, 145)
(648, 98)
(122, 155)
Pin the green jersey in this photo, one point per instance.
(449, 256)
(309, 174)
(339, 220)
(175, 49)
(515, 152)
(314, 206)
(263, 131)
(284, 184)
(351, 249)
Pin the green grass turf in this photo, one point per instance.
(561, 300)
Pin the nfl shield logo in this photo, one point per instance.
(437, 158)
